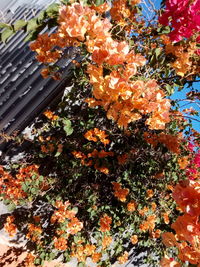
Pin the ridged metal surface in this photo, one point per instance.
(24, 94)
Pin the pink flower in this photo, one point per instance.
(183, 16)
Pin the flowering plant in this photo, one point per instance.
(114, 165)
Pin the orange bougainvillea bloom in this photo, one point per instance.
(60, 243)
(96, 257)
(166, 218)
(105, 222)
(106, 241)
(150, 193)
(74, 226)
(143, 211)
(183, 162)
(119, 192)
(131, 206)
(9, 226)
(169, 262)
(29, 260)
(124, 258)
(169, 239)
(156, 233)
(50, 115)
(134, 239)
(153, 206)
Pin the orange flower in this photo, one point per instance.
(183, 162)
(144, 226)
(120, 193)
(60, 243)
(153, 206)
(96, 257)
(74, 226)
(150, 193)
(105, 222)
(131, 206)
(106, 241)
(124, 258)
(169, 239)
(29, 260)
(143, 211)
(49, 114)
(156, 234)
(89, 249)
(134, 239)
(9, 226)
(166, 217)
(169, 262)
(45, 73)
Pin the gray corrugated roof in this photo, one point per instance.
(24, 94)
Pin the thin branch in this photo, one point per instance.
(188, 117)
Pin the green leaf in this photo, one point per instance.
(6, 34)
(157, 52)
(57, 154)
(67, 127)
(99, 2)
(52, 10)
(19, 24)
(4, 25)
(169, 89)
(41, 16)
(24, 187)
(32, 25)
(11, 206)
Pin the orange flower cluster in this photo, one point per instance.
(34, 232)
(105, 222)
(169, 262)
(120, 12)
(170, 141)
(87, 161)
(166, 217)
(131, 206)
(149, 224)
(44, 46)
(183, 53)
(143, 211)
(81, 252)
(187, 197)
(156, 233)
(183, 162)
(126, 101)
(150, 193)
(50, 115)
(119, 192)
(62, 213)
(29, 260)
(60, 243)
(106, 241)
(96, 134)
(11, 186)
(187, 226)
(124, 258)
(134, 239)
(9, 226)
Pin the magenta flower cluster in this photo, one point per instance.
(184, 18)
